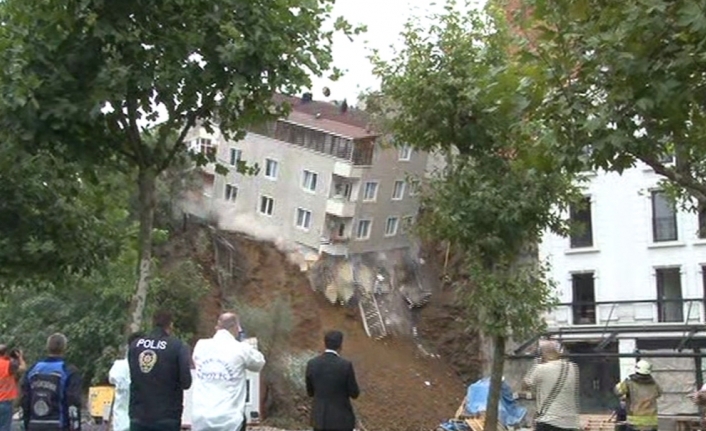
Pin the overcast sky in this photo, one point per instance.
(384, 19)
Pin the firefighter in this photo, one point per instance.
(641, 392)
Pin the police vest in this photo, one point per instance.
(47, 383)
(8, 384)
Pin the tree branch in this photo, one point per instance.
(696, 188)
(179, 143)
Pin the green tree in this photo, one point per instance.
(52, 223)
(624, 82)
(85, 78)
(454, 88)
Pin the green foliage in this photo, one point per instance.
(51, 221)
(89, 310)
(90, 77)
(180, 289)
(271, 325)
(456, 88)
(493, 213)
(114, 64)
(623, 81)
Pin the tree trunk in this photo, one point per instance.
(496, 376)
(147, 180)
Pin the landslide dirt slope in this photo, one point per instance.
(401, 391)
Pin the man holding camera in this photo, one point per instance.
(11, 364)
(220, 386)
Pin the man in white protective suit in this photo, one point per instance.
(219, 388)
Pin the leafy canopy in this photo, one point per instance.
(624, 82)
(51, 222)
(86, 76)
(455, 88)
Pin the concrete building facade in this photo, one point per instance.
(631, 278)
(326, 181)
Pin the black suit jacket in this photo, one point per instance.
(330, 379)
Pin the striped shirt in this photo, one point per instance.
(563, 412)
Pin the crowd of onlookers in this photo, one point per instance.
(153, 373)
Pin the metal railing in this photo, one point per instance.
(656, 311)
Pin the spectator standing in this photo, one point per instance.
(331, 381)
(555, 384)
(220, 387)
(641, 392)
(160, 372)
(119, 376)
(51, 391)
(12, 363)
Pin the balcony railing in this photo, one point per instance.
(650, 311)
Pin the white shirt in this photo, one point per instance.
(119, 375)
(219, 388)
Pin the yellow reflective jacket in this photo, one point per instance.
(641, 392)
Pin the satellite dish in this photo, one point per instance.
(327, 92)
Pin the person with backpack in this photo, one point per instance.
(51, 391)
(554, 383)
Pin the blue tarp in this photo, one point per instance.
(509, 412)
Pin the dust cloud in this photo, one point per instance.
(227, 218)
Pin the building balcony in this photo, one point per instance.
(654, 312)
(340, 207)
(347, 169)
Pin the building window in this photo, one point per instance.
(669, 296)
(405, 153)
(407, 223)
(342, 190)
(271, 169)
(231, 193)
(303, 218)
(267, 205)
(235, 156)
(584, 298)
(391, 226)
(371, 191)
(664, 218)
(398, 191)
(363, 230)
(310, 180)
(581, 226)
(703, 288)
(206, 147)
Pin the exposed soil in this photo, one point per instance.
(402, 390)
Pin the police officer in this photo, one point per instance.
(160, 372)
(51, 392)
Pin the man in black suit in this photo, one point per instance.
(330, 379)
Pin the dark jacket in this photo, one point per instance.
(160, 372)
(51, 396)
(331, 380)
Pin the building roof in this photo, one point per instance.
(354, 123)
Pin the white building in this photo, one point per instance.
(633, 278)
(327, 182)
